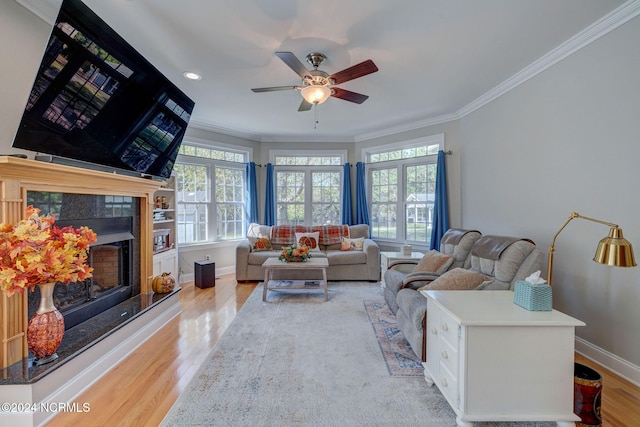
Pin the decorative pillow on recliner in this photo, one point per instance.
(434, 262)
(260, 243)
(457, 279)
(310, 240)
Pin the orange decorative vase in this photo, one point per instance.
(46, 328)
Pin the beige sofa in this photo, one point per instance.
(343, 265)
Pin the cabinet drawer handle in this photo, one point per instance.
(434, 331)
(445, 327)
(444, 382)
(445, 355)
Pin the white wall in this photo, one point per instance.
(24, 37)
(568, 140)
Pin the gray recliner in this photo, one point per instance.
(504, 259)
(400, 274)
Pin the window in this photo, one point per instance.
(210, 183)
(308, 187)
(402, 190)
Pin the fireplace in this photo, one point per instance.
(59, 189)
(111, 257)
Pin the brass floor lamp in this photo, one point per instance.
(616, 251)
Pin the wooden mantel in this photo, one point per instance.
(17, 176)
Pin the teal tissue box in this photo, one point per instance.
(533, 297)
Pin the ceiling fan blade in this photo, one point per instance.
(358, 70)
(273, 89)
(304, 105)
(294, 63)
(347, 95)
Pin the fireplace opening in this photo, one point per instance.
(111, 257)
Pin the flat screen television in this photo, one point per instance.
(96, 99)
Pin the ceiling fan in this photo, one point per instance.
(317, 86)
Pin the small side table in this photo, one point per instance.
(387, 258)
(205, 274)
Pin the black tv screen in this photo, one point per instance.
(97, 100)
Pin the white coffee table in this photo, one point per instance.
(272, 264)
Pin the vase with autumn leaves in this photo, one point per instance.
(35, 252)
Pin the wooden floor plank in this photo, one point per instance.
(142, 388)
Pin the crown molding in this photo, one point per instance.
(604, 25)
(196, 124)
(47, 10)
(407, 127)
(308, 138)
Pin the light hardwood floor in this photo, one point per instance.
(141, 389)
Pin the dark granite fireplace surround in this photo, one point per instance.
(93, 211)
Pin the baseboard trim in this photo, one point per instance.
(190, 277)
(615, 364)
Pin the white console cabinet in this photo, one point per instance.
(496, 361)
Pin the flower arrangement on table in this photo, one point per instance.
(37, 252)
(295, 253)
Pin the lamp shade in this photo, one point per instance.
(315, 94)
(615, 250)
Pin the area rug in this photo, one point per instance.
(400, 359)
(297, 360)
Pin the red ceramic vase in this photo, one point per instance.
(46, 328)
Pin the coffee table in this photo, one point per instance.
(272, 264)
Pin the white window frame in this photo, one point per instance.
(401, 166)
(308, 170)
(211, 165)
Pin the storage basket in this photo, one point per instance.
(533, 297)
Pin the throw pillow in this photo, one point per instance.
(457, 279)
(260, 243)
(434, 262)
(345, 246)
(355, 244)
(310, 240)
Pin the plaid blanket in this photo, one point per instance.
(283, 235)
(331, 234)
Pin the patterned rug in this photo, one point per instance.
(397, 353)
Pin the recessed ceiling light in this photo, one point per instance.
(191, 75)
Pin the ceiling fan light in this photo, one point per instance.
(315, 94)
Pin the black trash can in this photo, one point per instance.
(205, 274)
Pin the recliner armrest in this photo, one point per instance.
(418, 279)
(396, 265)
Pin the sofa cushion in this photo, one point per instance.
(359, 230)
(457, 279)
(310, 240)
(257, 258)
(434, 262)
(346, 258)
